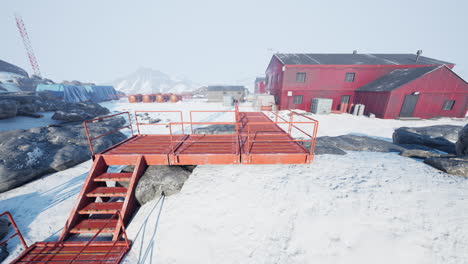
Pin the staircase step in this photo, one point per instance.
(108, 192)
(101, 208)
(94, 225)
(113, 177)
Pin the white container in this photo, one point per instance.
(321, 106)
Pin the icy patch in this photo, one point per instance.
(34, 156)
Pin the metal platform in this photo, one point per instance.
(257, 139)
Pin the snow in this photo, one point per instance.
(362, 207)
(25, 122)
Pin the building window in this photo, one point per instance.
(300, 77)
(448, 105)
(350, 77)
(298, 99)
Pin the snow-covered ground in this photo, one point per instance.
(359, 208)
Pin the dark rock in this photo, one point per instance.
(359, 143)
(72, 116)
(324, 147)
(28, 154)
(8, 67)
(461, 146)
(455, 166)
(420, 154)
(405, 135)
(449, 132)
(3, 252)
(158, 180)
(4, 228)
(215, 129)
(8, 109)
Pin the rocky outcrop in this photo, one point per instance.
(8, 109)
(461, 146)
(159, 180)
(405, 135)
(420, 154)
(333, 145)
(3, 252)
(448, 132)
(28, 104)
(455, 166)
(28, 154)
(4, 228)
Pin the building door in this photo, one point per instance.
(407, 109)
(344, 103)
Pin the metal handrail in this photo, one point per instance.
(90, 139)
(120, 222)
(138, 124)
(312, 137)
(203, 123)
(17, 231)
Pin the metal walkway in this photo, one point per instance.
(104, 210)
(256, 139)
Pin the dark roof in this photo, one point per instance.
(260, 79)
(396, 78)
(225, 88)
(357, 59)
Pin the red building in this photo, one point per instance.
(260, 85)
(390, 85)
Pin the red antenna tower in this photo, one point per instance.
(27, 44)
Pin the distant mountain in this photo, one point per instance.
(146, 80)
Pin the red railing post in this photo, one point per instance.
(17, 231)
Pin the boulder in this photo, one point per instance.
(4, 228)
(449, 132)
(420, 154)
(406, 135)
(28, 154)
(359, 143)
(3, 252)
(8, 109)
(159, 180)
(461, 146)
(216, 129)
(72, 116)
(455, 166)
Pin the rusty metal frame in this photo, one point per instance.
(138, 124)
(124, 234)
(90, 139)
(17, 231)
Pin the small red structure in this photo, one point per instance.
(426, 87)
(260, 85)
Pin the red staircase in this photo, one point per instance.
(102, 211)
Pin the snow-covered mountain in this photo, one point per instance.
(146, 80)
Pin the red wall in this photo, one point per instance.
(375, 102)
(435, 88)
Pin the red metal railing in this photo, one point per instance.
(90, 139)
(17, 231)
(175, 142)
(124, 234)
(210, 111)
(138, 124)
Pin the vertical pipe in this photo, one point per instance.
(130, 121)
(137, 123)
(89, 139)
(182, 120)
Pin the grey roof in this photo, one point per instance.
(357, 59)
(260, 79)
(396, 78)
(225, 88)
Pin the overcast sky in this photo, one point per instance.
(216, 41)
